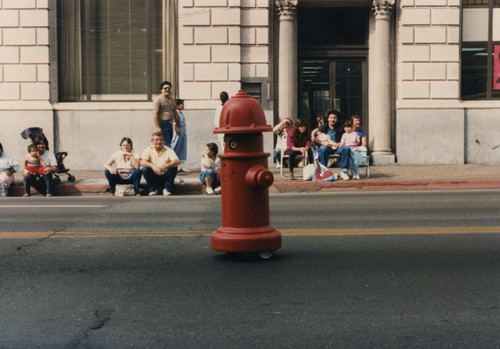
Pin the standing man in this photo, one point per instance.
(224, 97)
(334, 131)
(165, 113)
(159, 166)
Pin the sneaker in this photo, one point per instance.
(210, 191)
(278, 165)
(344, 175)
(166, 192)
(152, 193)
(217, 190)
(356, 177)
(183, 169)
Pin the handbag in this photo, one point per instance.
(124, 190)
(322, 173)
(308, 172)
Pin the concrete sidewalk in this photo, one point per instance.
(396, 177)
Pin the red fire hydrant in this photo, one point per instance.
(245, 180)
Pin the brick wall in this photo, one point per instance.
(428, 50)
(24, 50)
(221, 42)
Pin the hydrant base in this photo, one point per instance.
(246, 239)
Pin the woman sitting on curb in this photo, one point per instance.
(127, 167)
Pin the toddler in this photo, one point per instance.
(323, 139)
(351, 139)
(33, 164)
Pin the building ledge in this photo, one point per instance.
(446, 104)
(25, 105)
(100, 106)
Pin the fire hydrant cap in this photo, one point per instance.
(242, 114)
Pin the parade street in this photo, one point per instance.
(356, 270)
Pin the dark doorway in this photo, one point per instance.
(333, 83)
(332, 50)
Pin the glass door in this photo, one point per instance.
(331, 83)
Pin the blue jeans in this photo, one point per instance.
(42, 184)
(358, 156)
(167, 129)
(277, 155)
(344, 151)
(114, 179)
(154, 181)
(292, 154)
(210, 173)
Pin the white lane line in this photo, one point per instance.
(52, 206)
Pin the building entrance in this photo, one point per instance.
(331, 83)
(332, 59)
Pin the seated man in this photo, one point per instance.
(334, 131)
(159, 165)
(356, 127)
(359, 154)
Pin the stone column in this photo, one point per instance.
(287, 72)
(380, 84)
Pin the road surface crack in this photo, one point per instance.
(37, 242)
(102, 317)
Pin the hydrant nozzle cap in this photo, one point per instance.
(242, 114)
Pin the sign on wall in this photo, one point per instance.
(496, 68)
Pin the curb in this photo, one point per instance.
(384, 185)
(187, 188)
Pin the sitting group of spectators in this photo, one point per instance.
(159, 167)
(348, 141)
(158, 164)
(38, 168)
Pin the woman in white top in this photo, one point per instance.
(126, 170)
(281, 130)
(8, 165)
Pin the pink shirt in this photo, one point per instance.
(350, 139)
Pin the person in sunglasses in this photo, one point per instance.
(165, 113)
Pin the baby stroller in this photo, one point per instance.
(32, 132)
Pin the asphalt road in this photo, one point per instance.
(397, 270)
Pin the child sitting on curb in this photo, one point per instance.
(210, 166)
(33, 164)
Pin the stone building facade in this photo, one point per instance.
(414, 71)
